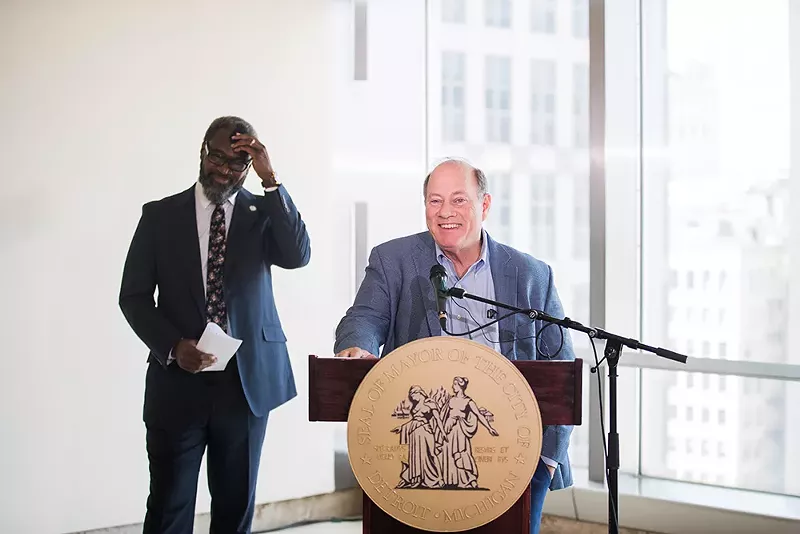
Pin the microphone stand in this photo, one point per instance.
(612, 353)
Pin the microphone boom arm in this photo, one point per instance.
(612, 354)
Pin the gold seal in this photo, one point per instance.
(444, 434)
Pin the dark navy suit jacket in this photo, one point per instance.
(164, 254)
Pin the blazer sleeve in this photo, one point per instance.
(366, 322)
(555, 440)
(286, 240)
(139, 280)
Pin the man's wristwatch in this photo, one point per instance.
(272, 184)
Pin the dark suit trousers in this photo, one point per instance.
(220, 420)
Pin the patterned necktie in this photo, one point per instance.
(215, 298)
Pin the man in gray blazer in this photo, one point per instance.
(396, 302)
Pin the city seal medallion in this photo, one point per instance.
(444, 434)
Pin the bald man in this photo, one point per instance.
(396, 304)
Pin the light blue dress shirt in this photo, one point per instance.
(464, 315)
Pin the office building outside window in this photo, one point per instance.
(454, 11)
(497, 13)
(498, 99)
(453, 96)
(543, 102)
(543, 16)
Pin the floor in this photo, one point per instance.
(344, 527)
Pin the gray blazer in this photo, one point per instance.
(396, 304)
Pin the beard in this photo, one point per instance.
(217, 192)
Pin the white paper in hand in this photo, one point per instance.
(215, 341)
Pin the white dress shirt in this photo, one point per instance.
(204, 209)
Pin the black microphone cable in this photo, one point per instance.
(594, 370)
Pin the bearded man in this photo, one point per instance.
(209, 251)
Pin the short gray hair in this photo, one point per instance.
(480, 177)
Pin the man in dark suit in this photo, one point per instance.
(209, 251)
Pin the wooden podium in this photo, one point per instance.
(556, 384)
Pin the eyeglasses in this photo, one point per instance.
(236, 165)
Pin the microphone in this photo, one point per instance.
(437, 277)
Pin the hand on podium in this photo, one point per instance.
(355, 352)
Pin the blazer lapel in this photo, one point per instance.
(504, 276)
(245, 215)
(188, 243)
(422, 264)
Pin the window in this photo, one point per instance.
(580, 19)
(689, 109)
(693, 213)
(773, 435)
(543, 102)
(495, 96)
(580, 105)
(580, 248)
(498, 99)
(500, 225)
(543, 16)
(580, 306)
(543, 207)
(498, 13)
(504, 186)
(454, 11)
(453, 102)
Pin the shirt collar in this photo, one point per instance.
(482, 260)
(201, 197)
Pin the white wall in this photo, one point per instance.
(104, 105)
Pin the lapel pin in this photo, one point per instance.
(252, 208)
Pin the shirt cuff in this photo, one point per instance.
(170, 357)
(550, 462)
(270, 189)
